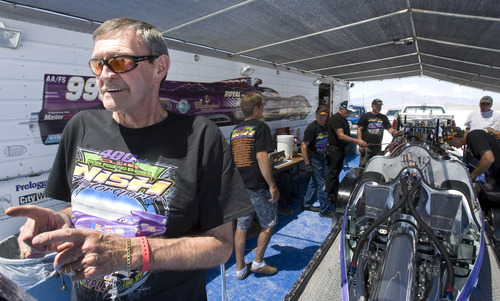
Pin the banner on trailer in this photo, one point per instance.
(66, 95)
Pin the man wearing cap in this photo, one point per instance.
(338, 140)
(485, 118)
(371, 127)
(313, 148)
(484, 146)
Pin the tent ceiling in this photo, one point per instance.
(455, 41)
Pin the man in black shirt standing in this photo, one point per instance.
(371, 127)
(313, 148)
(338, 139)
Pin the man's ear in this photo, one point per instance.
(255, 109)
(162, 66)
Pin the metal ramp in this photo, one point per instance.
(320, 280)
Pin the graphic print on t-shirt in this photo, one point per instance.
(116, 193)
(242, 139)
(375, 126)
(321, 142)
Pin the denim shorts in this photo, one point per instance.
(266, 211)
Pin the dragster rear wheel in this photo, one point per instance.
(346, 186)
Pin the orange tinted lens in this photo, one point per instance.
(96, 66)
(121, 64)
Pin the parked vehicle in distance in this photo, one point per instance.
(415, 113)
(424, 109)
(354, 116)
(391, 115)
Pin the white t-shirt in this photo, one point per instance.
(482, 120)
(496, 126)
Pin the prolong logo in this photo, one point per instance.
(31, 198)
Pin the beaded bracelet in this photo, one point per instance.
(145, 253)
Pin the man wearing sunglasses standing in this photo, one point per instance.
(152, 194)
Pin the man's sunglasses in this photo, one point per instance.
(119, 63)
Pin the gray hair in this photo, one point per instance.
(148, 33)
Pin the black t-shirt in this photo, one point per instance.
(480, 141)
(317, 137)
(247, 139)
(373, 127)
(179, 170)
(337, 121)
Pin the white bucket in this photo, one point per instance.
(285, 143)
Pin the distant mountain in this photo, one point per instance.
(396, 100)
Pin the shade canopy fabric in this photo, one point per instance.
(365, 40)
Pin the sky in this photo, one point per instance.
(419, 90)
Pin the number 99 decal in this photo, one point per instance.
(78, 88)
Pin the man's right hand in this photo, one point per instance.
(275, 194)
(309, 171)
(362, 143)
(39, 220)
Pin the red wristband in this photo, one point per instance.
(356, 141)
(145, 253)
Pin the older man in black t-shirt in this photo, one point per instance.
(313, 151)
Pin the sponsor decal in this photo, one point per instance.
(53, 138)
(236, 94)
(205, 104)
(53, 117)
(31, 185)
(183, 106)
(14, 150)
(31, 198)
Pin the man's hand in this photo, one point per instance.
(275, 194)
(86, 253)
(362, 143)
(40, 220)
(309, 171)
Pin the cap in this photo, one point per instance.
(377, 101)
(449, 132)
(345, 105)
(322, 110)
(486, 99)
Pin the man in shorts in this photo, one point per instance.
(250, 144)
